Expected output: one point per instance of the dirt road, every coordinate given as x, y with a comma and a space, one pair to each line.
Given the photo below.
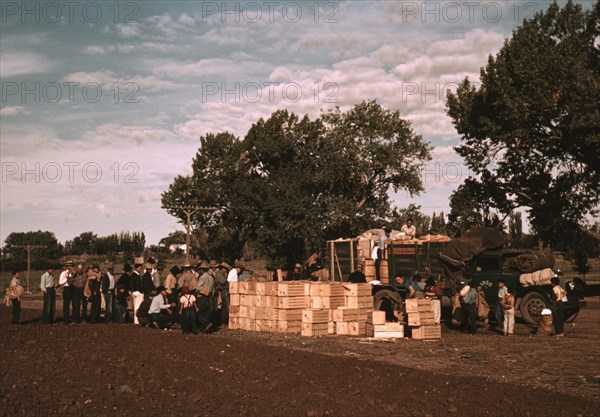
98, 370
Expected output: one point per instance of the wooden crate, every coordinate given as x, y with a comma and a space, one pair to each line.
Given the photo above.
331, 327
234, 299
271, 288
291, 302
334, 289
234, 288
433, 332
376, 317
313, 289
251, 287
244, 311
358, 290
359, 302
414, 305
289, 326
271, 301
346, 314
289, 314
290, 289
243, 287
261, 288
351, 328
315, 316
234, 323
314, 329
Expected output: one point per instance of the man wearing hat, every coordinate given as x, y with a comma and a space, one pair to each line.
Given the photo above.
108, 292
186, 278
296, 274
171, 283
357, 276
147, 282
222, 286
160, 313
205, 290
136, 290
66, 280
48, 287
122, 289
93, 290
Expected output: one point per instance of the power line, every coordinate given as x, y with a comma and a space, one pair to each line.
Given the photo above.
189, 210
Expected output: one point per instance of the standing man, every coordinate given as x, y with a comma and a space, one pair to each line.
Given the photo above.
409, 229
469, 305
223, 287
147, 282
502, 291
206, 285
171, 283
66, 280
558, 315
187, 277
122, 294
17, 290
93, 290
136, 290
108, 291
383, 238
79, 280
48, 287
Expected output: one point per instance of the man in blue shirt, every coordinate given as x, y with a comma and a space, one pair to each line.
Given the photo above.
48, 287
412, 288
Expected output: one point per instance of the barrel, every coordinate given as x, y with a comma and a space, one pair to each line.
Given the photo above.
369, 269
383, 272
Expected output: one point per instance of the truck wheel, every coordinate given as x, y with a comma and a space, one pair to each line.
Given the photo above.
388, 301
531, 307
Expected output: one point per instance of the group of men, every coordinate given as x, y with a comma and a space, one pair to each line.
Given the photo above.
141, 295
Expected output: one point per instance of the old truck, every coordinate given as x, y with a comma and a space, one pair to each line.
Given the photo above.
452, 261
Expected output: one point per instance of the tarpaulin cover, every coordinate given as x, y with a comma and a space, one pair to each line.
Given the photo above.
531, 262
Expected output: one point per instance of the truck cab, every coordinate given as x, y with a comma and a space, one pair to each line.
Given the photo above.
488, 267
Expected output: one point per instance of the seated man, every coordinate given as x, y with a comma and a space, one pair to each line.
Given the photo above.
357, 276
160, 313
412, 288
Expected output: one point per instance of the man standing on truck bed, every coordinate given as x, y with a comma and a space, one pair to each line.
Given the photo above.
409, 229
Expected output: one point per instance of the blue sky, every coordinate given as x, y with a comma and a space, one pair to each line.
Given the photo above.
103, 103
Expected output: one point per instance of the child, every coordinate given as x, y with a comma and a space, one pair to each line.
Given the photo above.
508, 307
188, 309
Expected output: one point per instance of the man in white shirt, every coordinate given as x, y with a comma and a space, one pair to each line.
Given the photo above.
160, 313
66, 280
234, 273
409, 229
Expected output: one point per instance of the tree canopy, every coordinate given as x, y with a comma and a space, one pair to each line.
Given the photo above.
530, 132
292, 182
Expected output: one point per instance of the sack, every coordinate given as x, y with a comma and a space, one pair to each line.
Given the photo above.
458, 316
483, 308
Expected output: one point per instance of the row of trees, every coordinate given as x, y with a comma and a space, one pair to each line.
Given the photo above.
292, 183
126, 244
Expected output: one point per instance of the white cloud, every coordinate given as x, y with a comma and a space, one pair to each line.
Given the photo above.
17, 63
13, 111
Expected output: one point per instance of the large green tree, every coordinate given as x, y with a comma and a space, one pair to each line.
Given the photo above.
40, 257
293, 182
531, 131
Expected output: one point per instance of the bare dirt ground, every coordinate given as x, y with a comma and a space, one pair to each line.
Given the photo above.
114, 370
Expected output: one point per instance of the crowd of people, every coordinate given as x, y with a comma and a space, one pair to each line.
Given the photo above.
196, 297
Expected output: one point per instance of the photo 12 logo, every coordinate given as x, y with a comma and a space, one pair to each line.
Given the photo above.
268, 11
55, 92
68, 11
53, 172
467, 11
272, 92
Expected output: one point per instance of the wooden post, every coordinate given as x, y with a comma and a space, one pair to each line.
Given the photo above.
332, 269
352, 267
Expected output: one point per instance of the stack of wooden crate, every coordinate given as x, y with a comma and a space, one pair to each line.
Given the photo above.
308, 308
377, 326
421, 321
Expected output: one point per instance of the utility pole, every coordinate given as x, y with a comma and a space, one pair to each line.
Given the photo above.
189, 210
29, 248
